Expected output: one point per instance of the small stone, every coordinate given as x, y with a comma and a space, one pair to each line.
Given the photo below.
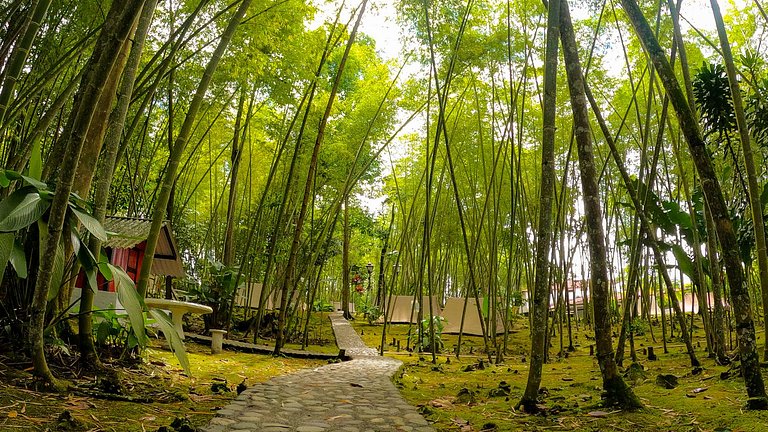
667, 381
245, 425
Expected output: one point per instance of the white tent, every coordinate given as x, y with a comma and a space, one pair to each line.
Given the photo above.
248, 296
452, 316
405, 308
436, 309
401, 309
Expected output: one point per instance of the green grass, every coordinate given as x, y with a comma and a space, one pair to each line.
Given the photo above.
573, 387
160, 378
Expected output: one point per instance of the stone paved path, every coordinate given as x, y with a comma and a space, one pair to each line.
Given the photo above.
353, 396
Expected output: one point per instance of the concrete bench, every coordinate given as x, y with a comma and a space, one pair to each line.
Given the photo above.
178, 309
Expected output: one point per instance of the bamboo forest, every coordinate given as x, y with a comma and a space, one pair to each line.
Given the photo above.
383, 215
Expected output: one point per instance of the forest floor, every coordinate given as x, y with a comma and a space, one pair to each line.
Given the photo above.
471, 394
468, 394
156, 391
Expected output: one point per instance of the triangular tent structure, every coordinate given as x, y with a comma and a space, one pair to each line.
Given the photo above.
452, 316
403, 309
436, 309
337, 307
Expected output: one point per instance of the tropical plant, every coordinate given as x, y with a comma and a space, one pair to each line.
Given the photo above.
322, 306
432, 338
23, 224
216, 290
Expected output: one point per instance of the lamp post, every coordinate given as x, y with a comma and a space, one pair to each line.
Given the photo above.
369, 268
355, 270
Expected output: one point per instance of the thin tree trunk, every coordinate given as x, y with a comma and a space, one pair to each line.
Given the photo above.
617, 391
237, 152
19, 55
746, 145
714, 197
345, 263
293, 253
114, 32
540, 306
106, 171
169, 177
717, 287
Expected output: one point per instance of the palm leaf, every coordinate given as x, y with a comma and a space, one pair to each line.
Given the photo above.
19, 260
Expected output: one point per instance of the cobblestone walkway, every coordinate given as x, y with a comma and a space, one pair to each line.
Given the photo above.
353, 396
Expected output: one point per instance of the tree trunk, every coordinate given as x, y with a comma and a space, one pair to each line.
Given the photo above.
345, 288
717, 290
746, 146
293, 253
540, 306
237, 152
616, 390
106, 171
86, 168
118, 24
19, 55
169, 177
714, 198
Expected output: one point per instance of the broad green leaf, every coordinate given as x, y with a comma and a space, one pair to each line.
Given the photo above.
683, 261
74, 238
35, 161
4, 180
173, 338
12, 175
85, 257
21, 209
131, 301
93, 281
6, 247
91, 224
58, 271
105, 270
37, 184
103, 332
19, 260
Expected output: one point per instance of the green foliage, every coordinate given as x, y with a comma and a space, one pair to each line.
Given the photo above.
216, 290
371, 311
638, 326
426, 337
28, 205
713, 97
26, 208
174, 340
517, 299
110, 329
322, 306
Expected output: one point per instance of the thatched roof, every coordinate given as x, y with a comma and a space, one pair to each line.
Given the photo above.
126, 232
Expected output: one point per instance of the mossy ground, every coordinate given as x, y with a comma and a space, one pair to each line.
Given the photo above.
158, 378
573, 387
